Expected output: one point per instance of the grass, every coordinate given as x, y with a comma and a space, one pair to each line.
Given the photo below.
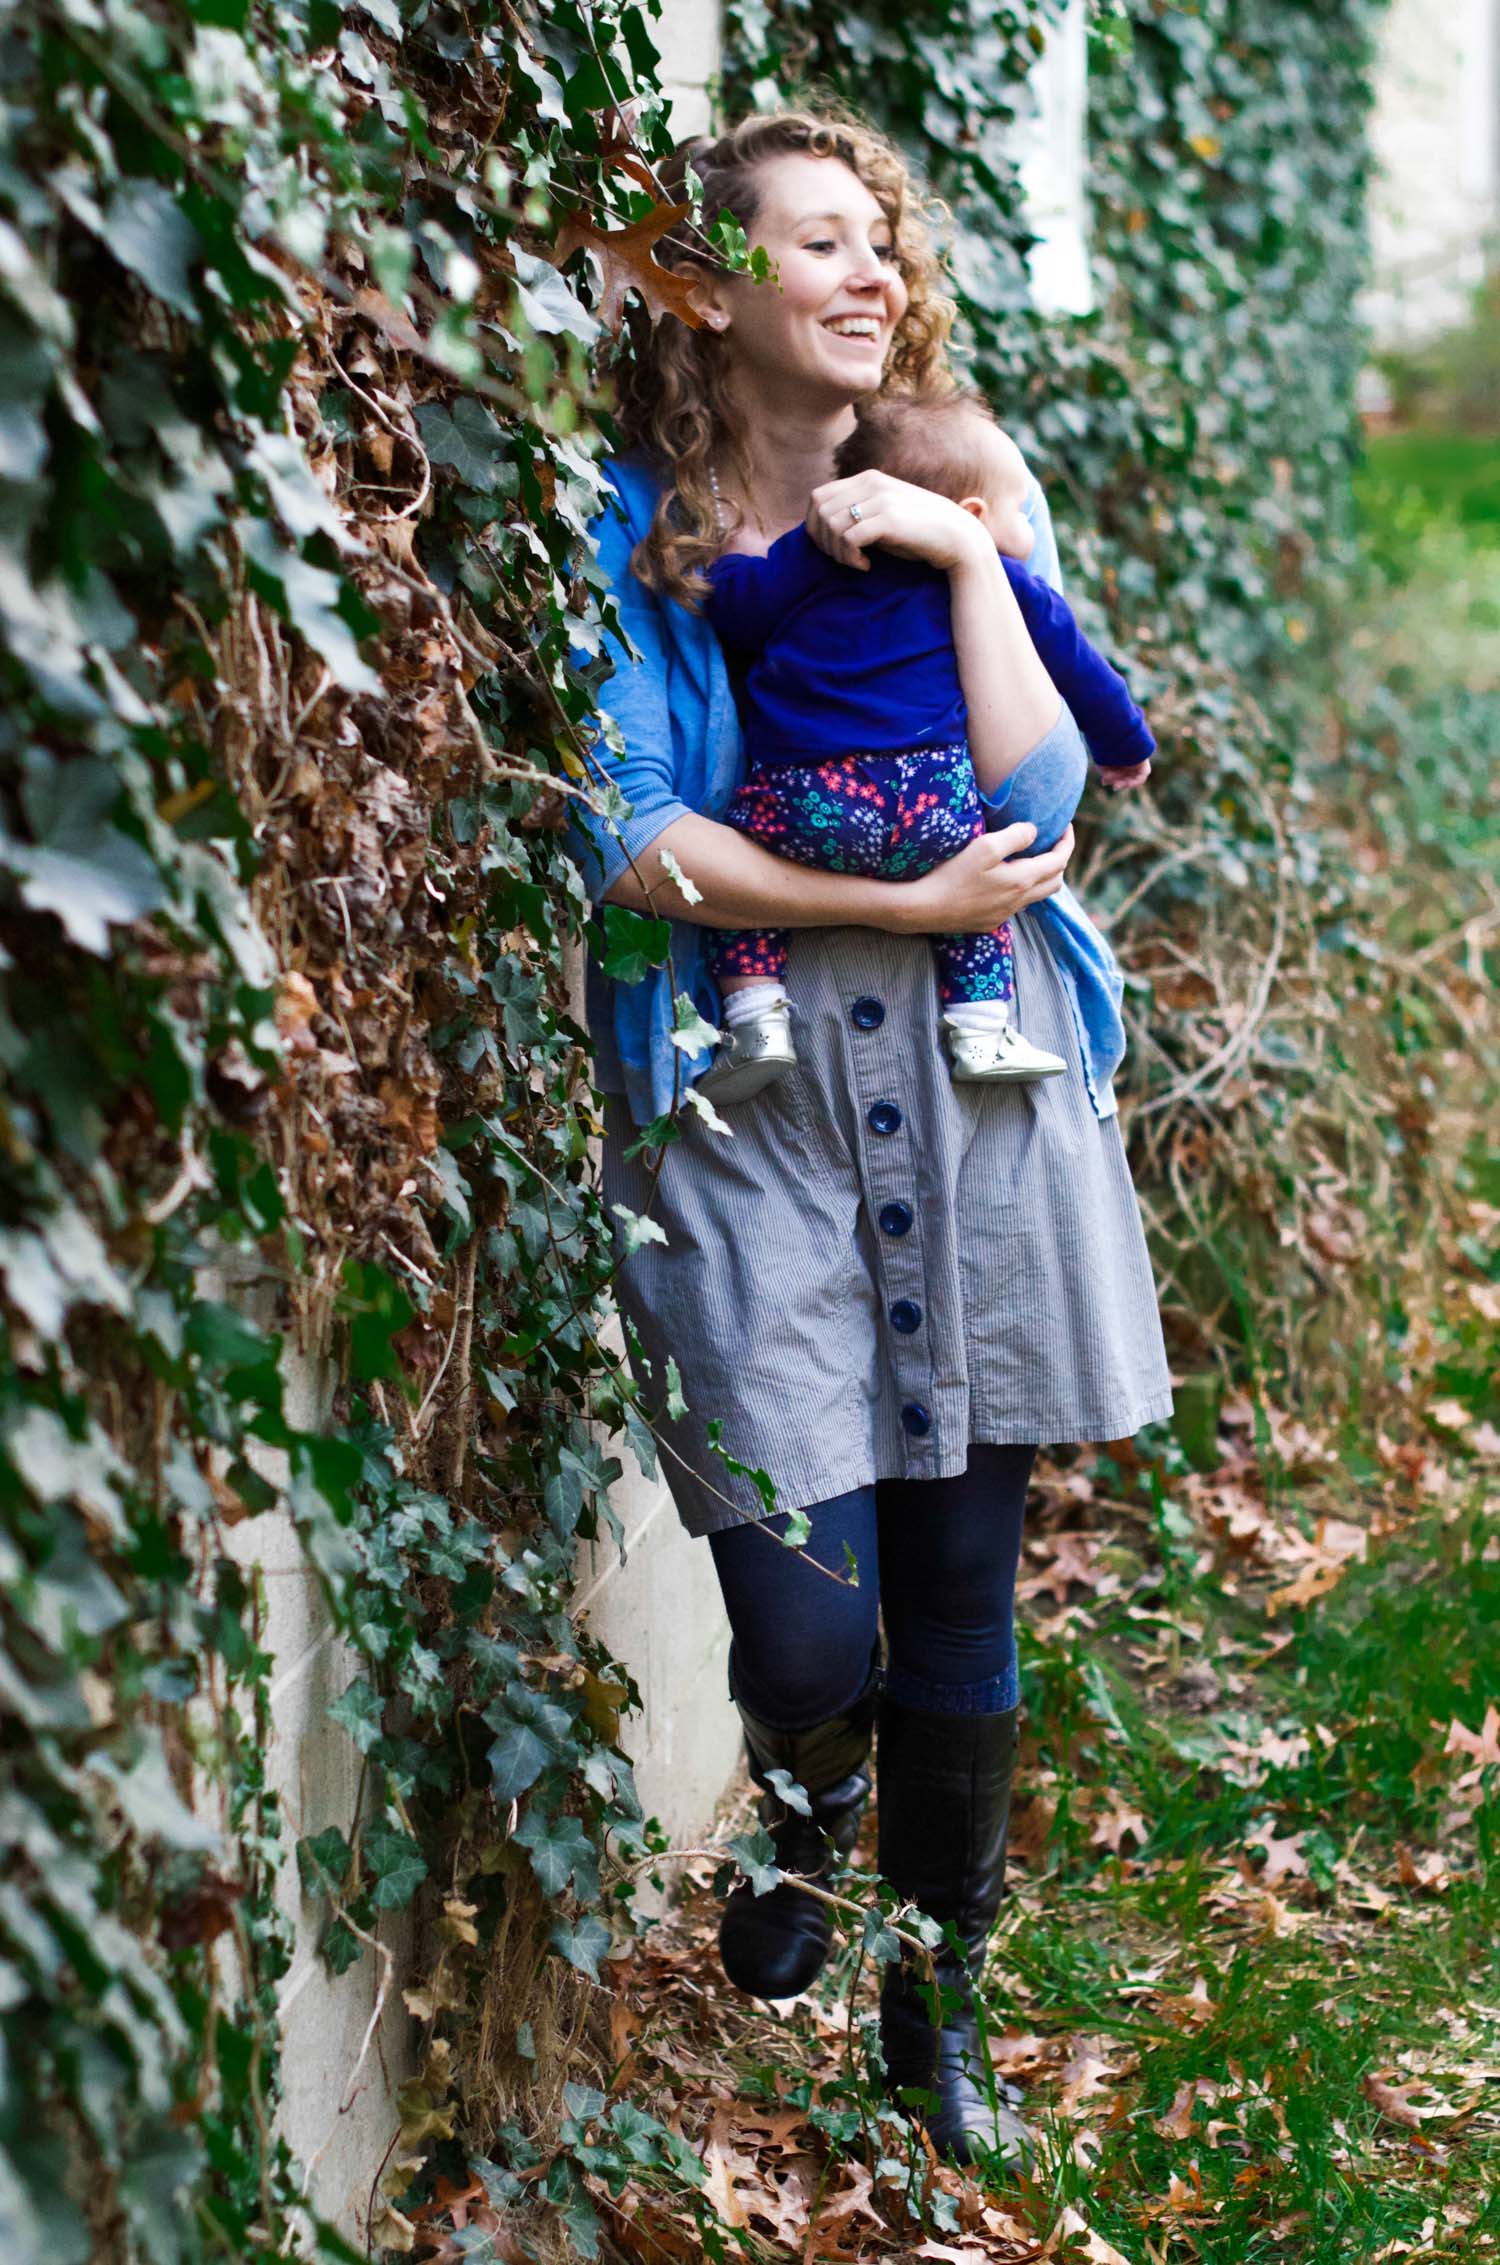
1285, 1986
1443, 476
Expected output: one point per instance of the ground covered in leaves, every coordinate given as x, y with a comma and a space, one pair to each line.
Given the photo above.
1248, 1980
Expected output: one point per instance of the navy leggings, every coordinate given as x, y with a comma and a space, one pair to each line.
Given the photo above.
936, 1558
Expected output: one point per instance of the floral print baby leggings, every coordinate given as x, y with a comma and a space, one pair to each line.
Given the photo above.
891, 817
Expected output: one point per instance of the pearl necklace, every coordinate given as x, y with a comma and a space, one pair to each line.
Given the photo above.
713, 482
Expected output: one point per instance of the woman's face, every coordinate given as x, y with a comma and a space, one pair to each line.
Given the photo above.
829, 327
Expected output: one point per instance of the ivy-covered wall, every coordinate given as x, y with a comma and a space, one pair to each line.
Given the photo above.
296, 431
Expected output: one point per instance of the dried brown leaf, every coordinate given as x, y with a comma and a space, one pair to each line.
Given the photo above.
625, 256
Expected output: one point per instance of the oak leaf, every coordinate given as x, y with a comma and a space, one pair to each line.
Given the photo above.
624, 254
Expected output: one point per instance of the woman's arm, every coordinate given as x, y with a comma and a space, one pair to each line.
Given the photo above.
742, 885
1012, 701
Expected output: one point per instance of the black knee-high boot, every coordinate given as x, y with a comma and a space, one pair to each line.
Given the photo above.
773, 1945
943, 1808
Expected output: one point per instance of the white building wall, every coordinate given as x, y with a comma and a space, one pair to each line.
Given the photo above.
1049, 144
689, 36
1435, 199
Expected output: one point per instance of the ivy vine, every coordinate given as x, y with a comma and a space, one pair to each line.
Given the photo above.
298, 427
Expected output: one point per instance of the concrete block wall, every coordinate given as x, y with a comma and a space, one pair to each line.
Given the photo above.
347, 2041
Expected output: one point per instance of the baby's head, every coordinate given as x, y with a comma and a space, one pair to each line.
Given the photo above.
948, 442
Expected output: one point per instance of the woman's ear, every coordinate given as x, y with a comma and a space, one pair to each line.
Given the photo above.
706, 293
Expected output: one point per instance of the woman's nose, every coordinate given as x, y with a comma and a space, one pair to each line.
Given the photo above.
869, 275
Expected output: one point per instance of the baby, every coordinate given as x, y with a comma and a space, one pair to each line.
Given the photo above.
855, 721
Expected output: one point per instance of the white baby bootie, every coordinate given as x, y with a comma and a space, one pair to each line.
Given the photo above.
985, 1048
756, 1048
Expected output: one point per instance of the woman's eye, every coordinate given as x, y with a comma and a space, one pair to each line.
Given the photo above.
820, 244
885, 252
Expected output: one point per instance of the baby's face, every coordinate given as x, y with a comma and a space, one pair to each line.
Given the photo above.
1004, 492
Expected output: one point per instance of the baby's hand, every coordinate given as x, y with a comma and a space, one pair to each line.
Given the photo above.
1117, 781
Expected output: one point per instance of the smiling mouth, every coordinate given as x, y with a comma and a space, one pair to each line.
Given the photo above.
863, 328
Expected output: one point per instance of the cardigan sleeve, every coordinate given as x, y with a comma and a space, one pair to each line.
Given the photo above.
643, 767
1043, 562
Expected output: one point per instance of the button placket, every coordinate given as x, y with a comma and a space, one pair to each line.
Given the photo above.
888, 1174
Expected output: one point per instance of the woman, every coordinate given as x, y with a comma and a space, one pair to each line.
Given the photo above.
884, 1289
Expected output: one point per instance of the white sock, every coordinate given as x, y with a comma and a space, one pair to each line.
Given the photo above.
739, 1006
978, 1014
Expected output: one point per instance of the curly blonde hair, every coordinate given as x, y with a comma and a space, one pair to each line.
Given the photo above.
673, 398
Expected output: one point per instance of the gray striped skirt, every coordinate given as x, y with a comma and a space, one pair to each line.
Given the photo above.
880, 1266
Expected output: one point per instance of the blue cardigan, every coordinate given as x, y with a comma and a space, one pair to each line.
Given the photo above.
844, 660
680, 752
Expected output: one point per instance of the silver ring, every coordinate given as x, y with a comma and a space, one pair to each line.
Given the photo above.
855, 512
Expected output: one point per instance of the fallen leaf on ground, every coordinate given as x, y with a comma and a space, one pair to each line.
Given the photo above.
1019, 2053
1178, 2122
1482, 1745
1427, 1871
1082, 2242
1395, 2102
1119, 1823
1069, 1563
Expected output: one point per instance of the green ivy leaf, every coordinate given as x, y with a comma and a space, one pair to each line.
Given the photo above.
148, 232
323, 1861
361, 1711
341, 1948
561, 1851
547, 300
755, 1854
633, 945
516, 1758
469, 439
582, 1943
378, 1309
79, 866
396, 1863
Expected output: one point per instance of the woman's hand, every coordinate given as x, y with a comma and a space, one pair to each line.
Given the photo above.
985, 884
913, 522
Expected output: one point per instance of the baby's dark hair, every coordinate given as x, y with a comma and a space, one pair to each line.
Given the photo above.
927, 439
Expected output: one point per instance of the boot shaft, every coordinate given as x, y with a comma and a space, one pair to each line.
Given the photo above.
831, 1762
943, 1809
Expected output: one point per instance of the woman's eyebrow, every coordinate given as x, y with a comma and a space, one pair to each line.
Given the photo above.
813, 219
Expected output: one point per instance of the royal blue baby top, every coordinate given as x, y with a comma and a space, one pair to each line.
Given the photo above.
837, 661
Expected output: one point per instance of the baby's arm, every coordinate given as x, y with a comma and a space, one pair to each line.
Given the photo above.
1120, 739
749, 597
